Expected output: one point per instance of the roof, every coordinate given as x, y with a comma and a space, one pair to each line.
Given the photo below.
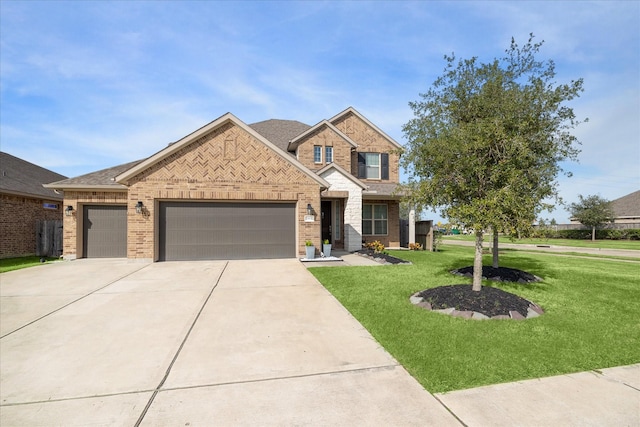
104, 178
220, 121
627, 206
382, 191
22, 178
280, 132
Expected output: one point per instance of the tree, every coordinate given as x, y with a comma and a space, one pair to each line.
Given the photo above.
592, 211
487, 139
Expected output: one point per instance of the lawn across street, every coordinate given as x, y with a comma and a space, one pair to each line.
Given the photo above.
601, 244
590, 319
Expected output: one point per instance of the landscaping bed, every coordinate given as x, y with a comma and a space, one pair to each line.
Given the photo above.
500, 274
381, 257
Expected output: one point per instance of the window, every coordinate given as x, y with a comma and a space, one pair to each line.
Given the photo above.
373, 165
374, 220
317, 154
50, 206
328, 154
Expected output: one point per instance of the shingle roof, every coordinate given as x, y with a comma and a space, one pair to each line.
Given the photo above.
386, 190
18, 176
98, 178
280, 132
628, 205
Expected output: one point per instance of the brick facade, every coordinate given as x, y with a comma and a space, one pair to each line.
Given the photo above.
325, 137
226, 161
72, 225
226, 164
18, 226
369, 140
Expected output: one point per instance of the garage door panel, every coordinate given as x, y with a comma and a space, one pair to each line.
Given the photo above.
104, 231
220, 230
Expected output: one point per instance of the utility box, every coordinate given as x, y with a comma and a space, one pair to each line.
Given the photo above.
424, 234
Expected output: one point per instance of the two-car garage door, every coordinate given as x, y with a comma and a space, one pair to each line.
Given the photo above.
221, 230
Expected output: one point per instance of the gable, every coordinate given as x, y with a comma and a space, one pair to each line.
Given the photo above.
225, 150
363, 132
225, 154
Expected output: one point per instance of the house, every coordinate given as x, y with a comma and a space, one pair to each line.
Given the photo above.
627, 208
232, 191
24, 202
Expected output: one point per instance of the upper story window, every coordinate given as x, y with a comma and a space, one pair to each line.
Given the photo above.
317, 154
373, 165
328, 154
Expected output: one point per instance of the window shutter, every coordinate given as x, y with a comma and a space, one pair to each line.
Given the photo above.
384, 172
362, 166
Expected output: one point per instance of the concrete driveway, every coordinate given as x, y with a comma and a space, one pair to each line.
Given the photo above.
113, 342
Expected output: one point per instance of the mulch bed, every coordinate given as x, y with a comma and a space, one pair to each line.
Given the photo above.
463, 301
381, 257
490, 302
500, 274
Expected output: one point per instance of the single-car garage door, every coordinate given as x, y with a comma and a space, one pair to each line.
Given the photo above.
220, 230
104, 231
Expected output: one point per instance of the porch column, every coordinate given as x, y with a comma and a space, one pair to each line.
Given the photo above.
412, 226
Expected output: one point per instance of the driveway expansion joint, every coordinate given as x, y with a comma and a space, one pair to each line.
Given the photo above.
175, 357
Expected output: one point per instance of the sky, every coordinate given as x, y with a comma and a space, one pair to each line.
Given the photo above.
86, 85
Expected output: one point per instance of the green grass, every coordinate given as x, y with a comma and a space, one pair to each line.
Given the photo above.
591, 319
9, 264
602, 244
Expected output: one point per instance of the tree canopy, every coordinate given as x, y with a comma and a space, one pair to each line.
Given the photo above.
487, 139
592, 211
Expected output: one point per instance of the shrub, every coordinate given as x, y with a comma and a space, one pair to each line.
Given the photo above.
415, 246
377, 246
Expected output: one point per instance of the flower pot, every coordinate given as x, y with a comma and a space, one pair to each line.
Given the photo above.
326, 249
311, 252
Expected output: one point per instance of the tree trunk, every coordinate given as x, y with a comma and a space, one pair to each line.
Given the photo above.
593, 234
477, 264
495, 248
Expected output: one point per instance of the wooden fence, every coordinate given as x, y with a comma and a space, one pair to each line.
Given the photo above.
49, 238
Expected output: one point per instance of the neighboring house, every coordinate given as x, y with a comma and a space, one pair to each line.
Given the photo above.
231, 191
627, 208
24, 202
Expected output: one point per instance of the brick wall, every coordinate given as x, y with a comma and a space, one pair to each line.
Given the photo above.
72, 225
369, 141
226, 164
18, 226
325, 137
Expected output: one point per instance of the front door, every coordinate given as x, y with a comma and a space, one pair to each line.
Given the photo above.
325, 212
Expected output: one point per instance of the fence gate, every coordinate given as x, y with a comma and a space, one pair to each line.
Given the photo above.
49, 238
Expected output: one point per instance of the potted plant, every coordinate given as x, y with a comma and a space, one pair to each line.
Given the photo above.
311, 250
326, 247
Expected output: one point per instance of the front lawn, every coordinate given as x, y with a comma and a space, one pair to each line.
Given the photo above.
601, 244
591, 318
9, 264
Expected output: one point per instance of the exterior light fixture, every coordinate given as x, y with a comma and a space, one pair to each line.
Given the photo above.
139, 207
309, 209
68, 211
